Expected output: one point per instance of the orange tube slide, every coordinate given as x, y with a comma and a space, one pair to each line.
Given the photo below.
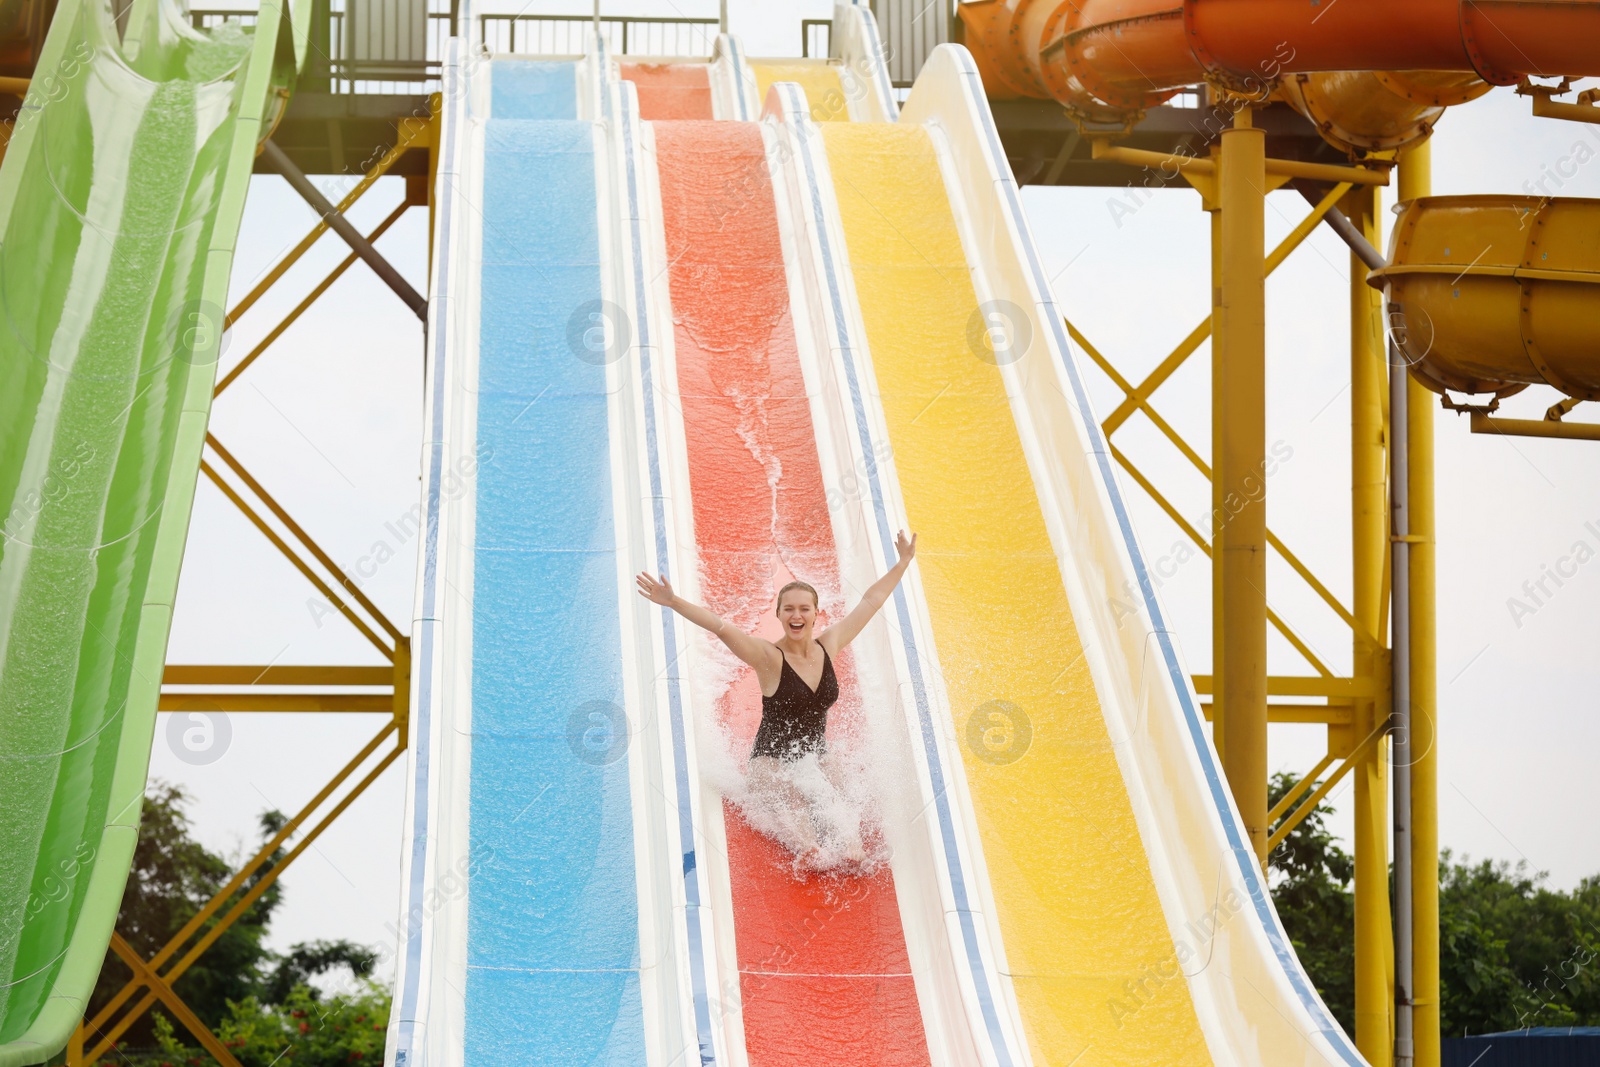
1134, 53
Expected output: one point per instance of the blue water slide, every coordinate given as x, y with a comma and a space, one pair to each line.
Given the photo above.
553, 922
521, 922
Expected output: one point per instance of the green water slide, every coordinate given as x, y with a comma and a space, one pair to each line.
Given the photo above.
120, 200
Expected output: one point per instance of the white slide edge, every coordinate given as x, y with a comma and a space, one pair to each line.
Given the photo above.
708, 987
857, 44
432, 905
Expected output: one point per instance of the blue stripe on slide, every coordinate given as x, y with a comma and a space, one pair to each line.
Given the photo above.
426, 632
552, 919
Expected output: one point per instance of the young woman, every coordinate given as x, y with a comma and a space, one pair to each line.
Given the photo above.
798, 685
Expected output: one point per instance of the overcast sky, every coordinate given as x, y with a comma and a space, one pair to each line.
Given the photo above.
330, 421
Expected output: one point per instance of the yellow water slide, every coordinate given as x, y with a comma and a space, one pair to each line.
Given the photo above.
1126, 914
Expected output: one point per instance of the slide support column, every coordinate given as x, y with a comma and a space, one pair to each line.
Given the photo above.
1219, 704
1240, 537
1416, 179
1374, 947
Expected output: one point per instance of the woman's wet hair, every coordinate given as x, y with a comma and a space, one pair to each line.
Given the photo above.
816, 601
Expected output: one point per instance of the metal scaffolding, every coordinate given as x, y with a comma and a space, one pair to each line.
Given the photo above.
1233, 182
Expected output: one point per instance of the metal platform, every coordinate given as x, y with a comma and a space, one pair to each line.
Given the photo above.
345, 133
1044, 147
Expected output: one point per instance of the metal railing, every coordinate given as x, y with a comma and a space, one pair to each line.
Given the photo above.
211, 19
327, 60
816, 38
625, 35
910, 31
525, 34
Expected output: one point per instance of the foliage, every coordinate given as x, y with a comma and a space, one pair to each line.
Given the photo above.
1513, 953
306, 961
305, 1030
240, 988
172, 878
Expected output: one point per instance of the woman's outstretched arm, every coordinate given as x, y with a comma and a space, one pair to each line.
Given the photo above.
845, 630
751, 649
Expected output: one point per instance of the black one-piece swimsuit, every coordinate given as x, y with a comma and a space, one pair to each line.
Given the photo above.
794, 719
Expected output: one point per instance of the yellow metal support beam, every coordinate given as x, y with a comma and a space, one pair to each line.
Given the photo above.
1546, 108
1331, 714
310, 298
1139, 395
1298, 685
345, 581
1288, 800
300, 564
1279, 168
400, 697
1150, 412
1239, 350
1194, 535
1362, 753
1571, 431
1219, 507
220, 674
435, 115
1374, 937
285, 702
1585, 110
1416, 181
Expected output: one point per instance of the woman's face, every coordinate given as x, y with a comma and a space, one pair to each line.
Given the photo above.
797, 613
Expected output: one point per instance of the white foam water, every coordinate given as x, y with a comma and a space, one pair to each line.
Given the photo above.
823, 810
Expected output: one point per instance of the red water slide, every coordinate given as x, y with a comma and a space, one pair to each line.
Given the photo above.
823, 970
671, 90
1133, 53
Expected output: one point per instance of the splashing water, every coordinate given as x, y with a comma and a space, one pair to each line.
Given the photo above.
824, 810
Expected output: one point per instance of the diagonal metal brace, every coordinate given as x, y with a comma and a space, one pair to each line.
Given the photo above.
1340, 224
341, 226
173, 1003
1361, 752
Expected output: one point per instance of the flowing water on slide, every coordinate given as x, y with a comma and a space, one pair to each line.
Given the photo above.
824, 973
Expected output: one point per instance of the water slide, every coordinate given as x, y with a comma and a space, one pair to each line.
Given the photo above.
741, 321
120, 200
708, 320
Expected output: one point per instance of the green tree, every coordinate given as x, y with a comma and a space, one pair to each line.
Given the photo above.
238, 986
172, 878
1310, 877
306, 1030
308, 960
1514, 953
